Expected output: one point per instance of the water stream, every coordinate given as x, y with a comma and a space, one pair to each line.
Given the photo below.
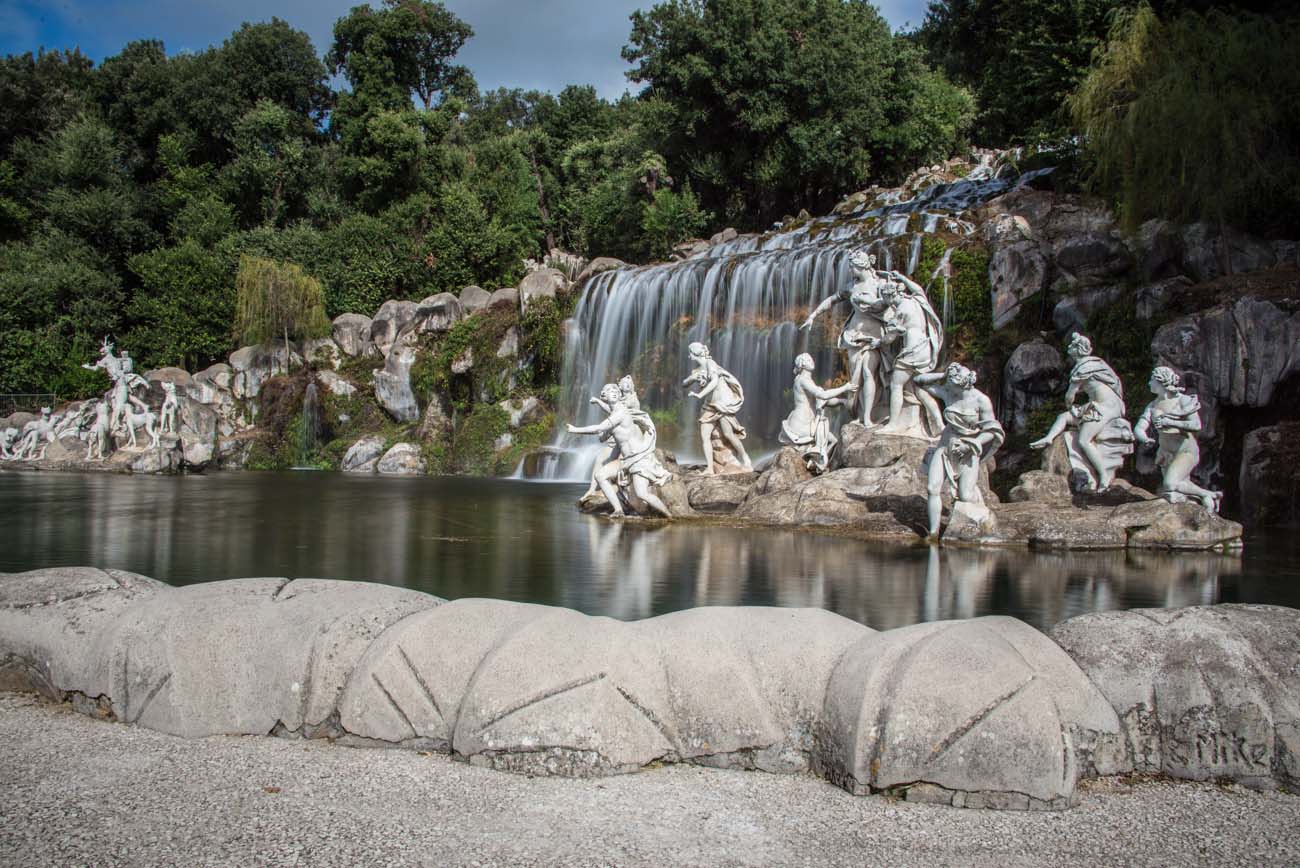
745, 298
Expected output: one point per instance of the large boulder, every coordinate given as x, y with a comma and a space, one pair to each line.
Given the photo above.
1091, 258
198, 426
393, 381
351, 332
1016, 272
253, 366
403, 459
599, 265
323, 352
542, 283
390, 322
1158, 250
363, 455
506, 295
1269, 481
1121, 518
474, 298
1209, 253
1034, 376
335, 384
979, 713
1208, 692
1071, 312
438, 313
178, 376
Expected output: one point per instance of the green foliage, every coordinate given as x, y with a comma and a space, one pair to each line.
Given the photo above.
1196, 117
269, 174
1021, 59
670, 218
1124, 340
274, 299
472, 446
183, 310
972, 304
769, 106
543, 331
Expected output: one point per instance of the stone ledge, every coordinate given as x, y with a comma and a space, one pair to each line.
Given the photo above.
980, 713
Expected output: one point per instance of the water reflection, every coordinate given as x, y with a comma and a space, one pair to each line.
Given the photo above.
521, 541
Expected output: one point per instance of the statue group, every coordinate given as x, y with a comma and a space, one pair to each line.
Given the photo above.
892, 341
118, 413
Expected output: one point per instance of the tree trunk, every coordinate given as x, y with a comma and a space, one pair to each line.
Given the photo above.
541, 201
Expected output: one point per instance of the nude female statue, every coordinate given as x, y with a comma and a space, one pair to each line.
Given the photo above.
863, 325
636, 466
1099, 435
807, 426
1175, 417
971, 433
723, 398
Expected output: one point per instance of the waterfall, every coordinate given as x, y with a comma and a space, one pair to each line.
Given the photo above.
309, 438
745, 299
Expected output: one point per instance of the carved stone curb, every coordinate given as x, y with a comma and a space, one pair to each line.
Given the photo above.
1204, 692
979, 713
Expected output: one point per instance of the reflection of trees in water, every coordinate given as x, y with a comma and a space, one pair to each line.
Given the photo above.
465, 538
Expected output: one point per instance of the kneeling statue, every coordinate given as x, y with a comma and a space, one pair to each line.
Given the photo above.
807, 427
633, 466
1175, 417
971, 434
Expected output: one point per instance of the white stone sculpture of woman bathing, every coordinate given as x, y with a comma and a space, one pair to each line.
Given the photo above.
912, 326
97, 442
1175, 417
1097, 436
807, 427
864, 327
971, 434
607, 452
7, 438
167, 416
636, 466
723, 397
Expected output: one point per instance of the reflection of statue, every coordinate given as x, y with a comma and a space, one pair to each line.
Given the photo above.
1176, 417
910, 321
861, 332
628, 390
723, 397
970, 435
1098, 435
635, 465
98, 441
167, 417
807, 426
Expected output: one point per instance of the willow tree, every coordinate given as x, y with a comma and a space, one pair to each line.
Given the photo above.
277, 299
1197, 118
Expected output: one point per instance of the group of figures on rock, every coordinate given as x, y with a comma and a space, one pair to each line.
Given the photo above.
893, 339
118, 413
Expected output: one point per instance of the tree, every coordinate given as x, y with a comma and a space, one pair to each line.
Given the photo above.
181, 313
274, 299
767, 106
1196, 118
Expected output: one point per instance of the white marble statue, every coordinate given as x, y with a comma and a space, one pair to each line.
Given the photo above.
630, 400
167, 416
971, 434
723, 397
7, 438
146, 419
37, 436
1097, 436
861, 332
807, 427
1174, 417
912, 340
120, 370
634, 467
100, 438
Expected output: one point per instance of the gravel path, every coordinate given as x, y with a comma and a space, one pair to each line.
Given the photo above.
77, 791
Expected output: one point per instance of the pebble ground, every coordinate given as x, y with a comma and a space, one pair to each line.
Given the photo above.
79, 791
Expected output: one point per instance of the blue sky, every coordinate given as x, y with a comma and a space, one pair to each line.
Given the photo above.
542, 44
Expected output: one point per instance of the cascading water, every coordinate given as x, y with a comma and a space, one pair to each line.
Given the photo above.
309, 438
745, 298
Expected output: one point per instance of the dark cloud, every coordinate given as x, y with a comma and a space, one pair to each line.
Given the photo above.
531, 44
